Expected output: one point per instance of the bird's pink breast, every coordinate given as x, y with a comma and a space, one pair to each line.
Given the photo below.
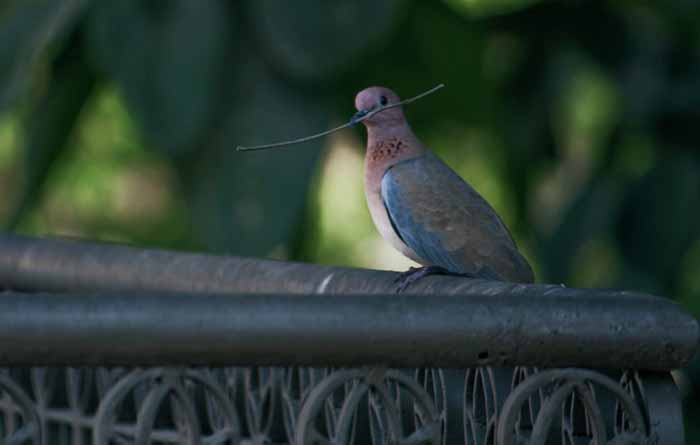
383, 151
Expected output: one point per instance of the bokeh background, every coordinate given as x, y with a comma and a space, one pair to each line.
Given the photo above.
577, 120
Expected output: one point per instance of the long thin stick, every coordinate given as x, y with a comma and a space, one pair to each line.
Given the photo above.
349, 124
295, 141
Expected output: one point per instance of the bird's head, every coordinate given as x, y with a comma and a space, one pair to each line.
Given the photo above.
373, 98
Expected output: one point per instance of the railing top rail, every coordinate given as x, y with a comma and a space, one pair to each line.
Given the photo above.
343, 330
102, 304
59, 265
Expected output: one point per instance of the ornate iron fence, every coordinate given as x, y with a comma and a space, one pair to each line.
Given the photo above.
311, 405
507, 361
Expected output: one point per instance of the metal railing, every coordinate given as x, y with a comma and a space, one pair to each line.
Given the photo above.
497, 363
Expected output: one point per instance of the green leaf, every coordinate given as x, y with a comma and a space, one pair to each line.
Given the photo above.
28, 28
433, 45
251, 203
481, 8
168, 58
49, 124
312, 39
661, 216
591, 215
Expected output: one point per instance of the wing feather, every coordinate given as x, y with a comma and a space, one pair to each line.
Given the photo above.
447, 223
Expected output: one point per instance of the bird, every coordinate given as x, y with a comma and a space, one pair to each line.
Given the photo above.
423, 208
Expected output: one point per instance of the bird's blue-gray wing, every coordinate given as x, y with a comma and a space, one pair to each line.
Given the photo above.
447, 223
425, 243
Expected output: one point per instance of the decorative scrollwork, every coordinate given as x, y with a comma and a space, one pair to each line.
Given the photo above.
500, 406
567, 392
435, 385
632, 383
255, 390
106, 378
43, 384
534, 402
79, 384
317, 424
297, 383
20, 422
480, 406
163, 387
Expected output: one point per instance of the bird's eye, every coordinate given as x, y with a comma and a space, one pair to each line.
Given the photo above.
383, 100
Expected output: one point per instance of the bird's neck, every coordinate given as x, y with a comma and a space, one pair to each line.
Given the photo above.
387, 146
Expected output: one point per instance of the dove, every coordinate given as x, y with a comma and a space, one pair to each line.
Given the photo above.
419, 204
423, 208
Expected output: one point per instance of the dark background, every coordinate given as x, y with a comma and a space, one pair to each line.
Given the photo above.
576, 120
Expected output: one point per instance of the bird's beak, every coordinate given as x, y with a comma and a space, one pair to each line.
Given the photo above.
360, 114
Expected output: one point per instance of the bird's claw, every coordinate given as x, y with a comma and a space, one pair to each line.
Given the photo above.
413, 274
403, 275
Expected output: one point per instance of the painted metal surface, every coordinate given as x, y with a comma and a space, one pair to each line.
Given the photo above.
516, 354
133, 328
337, 406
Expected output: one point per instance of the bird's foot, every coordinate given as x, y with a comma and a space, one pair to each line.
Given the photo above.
413, 274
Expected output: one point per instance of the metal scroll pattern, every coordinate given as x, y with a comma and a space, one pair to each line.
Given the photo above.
575, 397
212, 406
20, 421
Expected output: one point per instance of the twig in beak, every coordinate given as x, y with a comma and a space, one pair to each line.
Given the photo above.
352, 122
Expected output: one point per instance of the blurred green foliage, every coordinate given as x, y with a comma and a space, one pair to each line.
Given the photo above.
576, 120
